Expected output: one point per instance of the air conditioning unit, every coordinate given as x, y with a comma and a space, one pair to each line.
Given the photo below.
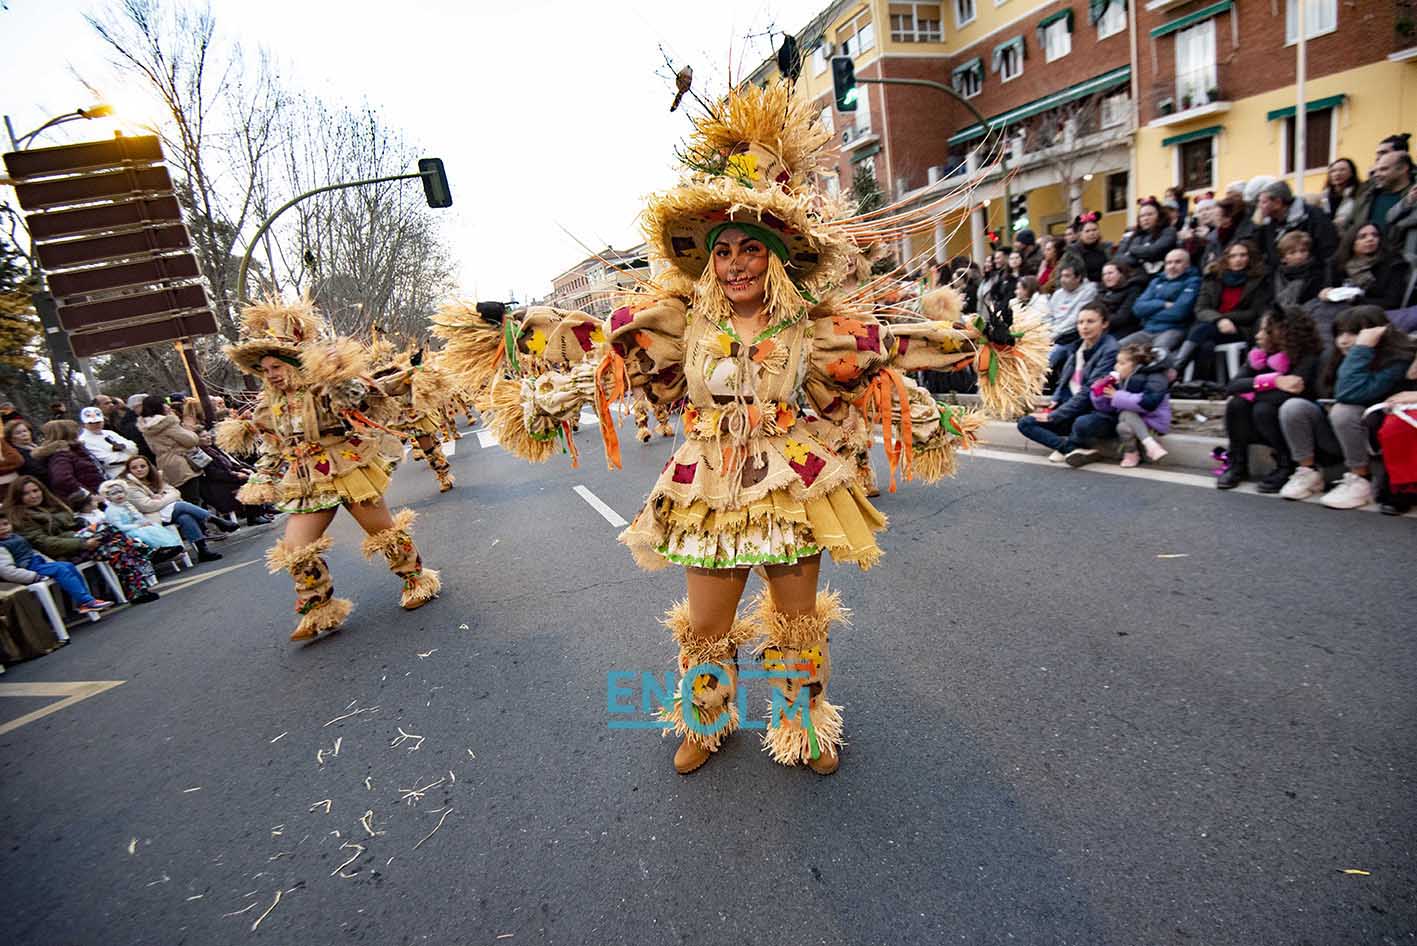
848, 135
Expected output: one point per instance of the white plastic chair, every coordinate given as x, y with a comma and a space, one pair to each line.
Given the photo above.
1229, 356
44, 591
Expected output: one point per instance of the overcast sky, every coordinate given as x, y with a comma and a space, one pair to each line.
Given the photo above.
544, 113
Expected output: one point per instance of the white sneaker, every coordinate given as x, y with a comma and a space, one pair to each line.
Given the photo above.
1303, 483
1353, 493
1056, 457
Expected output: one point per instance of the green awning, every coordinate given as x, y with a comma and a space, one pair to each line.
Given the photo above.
1095, 8
974, 65
870, 151
1190, 19
999, 50
1103, 83
1317, 105
1064, 14
1199, 133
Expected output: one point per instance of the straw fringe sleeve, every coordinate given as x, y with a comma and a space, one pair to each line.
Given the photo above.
330, 364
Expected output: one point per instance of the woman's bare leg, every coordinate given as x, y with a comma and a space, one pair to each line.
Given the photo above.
392, 536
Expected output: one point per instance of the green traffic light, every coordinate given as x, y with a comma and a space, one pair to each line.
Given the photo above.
850, 97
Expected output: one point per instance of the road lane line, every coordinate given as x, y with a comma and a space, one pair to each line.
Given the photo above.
450, 447
73, 693
610, 515
486, 438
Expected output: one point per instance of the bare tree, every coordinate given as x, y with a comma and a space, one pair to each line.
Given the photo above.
1068, 140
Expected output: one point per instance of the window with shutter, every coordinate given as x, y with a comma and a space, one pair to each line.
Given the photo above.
1318, 141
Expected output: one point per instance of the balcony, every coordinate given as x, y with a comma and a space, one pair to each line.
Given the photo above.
1197, 93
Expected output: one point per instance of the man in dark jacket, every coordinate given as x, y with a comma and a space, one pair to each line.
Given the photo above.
1072, 425
1027, 245
1283, 214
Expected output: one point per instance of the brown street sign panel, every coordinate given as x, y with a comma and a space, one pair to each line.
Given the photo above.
81, 188
89, 315
145, 273
85, 156
150, 333
124, 216
54, 256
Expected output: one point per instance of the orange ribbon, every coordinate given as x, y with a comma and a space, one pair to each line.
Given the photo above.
612, 372
899, 453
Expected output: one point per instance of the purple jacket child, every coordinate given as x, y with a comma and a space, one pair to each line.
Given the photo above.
1144, 394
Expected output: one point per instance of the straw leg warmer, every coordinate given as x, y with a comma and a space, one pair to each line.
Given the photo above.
440, 466
420, 585
798, 645
714, 704
319, 610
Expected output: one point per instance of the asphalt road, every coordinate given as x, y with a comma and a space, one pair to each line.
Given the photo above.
1081, 709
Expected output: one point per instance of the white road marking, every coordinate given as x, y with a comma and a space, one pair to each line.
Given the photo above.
486, 438
184, 580
588, 419
610, 515
72, 693
450, 447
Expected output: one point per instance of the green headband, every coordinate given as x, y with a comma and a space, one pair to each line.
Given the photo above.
769, 239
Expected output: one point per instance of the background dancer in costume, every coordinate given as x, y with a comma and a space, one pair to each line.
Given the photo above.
319, 450
734, 331
424, 397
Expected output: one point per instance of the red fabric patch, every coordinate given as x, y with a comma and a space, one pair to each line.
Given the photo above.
583, 332
621, 317
903, 344
870, 339
810, 469
685, 474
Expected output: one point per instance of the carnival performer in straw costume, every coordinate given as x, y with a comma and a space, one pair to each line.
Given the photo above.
424, 395
744, 326
318, 427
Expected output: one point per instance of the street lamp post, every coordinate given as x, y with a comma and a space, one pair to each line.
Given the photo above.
20, 143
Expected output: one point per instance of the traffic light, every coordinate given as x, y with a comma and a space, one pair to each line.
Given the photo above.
1018, 211
435, 182
844, 81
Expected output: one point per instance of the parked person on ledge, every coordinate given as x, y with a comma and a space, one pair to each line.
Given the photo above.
1385, 201
1119, 292
1145, 248
1282, 213
1071, 425
1371, 364
1300, 277
1028, 303
1030, 252
22, 565
1232, 222
1136, 392
1232, 298
1166, 307
1073, 293
1283, 364
68, 467
1053, 250
1090, 247
1340, 195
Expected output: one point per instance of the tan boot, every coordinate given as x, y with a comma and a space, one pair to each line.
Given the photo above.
320, 612
712, 713
803, 727
420, 585
441, 469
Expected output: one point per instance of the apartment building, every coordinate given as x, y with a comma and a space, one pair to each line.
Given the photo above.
596, 283
1103, 101
1219, 92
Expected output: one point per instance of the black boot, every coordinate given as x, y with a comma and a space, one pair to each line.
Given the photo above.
224, 524
1275, 479
1236, 474
203, 555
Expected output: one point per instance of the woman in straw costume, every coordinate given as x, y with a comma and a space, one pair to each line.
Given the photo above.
313, 427
424, 396
743, 327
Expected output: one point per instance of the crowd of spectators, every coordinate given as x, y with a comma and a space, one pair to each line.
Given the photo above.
132, 484
1314, 294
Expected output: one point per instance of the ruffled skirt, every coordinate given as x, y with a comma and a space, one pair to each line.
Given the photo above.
360, 484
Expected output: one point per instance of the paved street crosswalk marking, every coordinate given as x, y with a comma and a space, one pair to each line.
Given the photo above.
72, 692
610, 515
450, 447
486, 438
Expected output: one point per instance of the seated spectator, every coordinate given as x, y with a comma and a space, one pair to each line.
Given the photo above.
156, 499
173, 446
9, 412
1231, 300
1071, 426
67, 465
193, 417
1366, 263
1071, 296
1166, 307
86, 506
1119, 292
19, 441
50, 526
1053, 250
127, 424
1030, 253
1136, 393
1232, 223
58, 410
1090, 248
109, 448
1385, 201
1282, 214
1145, 248
128, 519
1299, 277
221, 480
1339, 197
1028, 303
1397, 437
1371, 363
22, 565
1283, 364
